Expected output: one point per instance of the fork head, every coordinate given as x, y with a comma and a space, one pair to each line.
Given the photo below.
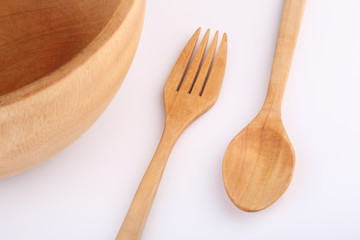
193, 88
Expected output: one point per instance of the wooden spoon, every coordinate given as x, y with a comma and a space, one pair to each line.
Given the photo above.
259, 162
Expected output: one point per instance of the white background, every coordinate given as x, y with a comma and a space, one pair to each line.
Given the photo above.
84, 192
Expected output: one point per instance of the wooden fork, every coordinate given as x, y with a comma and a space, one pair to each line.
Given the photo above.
186, 98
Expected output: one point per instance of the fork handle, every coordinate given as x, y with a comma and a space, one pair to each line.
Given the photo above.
138, 212
285, 47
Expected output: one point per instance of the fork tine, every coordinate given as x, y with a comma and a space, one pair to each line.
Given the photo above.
204, 71
213, 84
181, 64
194, 67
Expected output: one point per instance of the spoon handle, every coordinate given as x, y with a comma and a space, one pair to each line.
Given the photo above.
285, 47
140, 207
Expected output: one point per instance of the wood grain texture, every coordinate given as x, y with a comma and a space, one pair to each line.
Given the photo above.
61, 63
37, 37
184, 102
259, 162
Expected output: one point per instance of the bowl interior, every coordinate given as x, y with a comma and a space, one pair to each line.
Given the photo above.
38, 36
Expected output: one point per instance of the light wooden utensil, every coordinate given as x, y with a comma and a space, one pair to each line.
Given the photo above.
185, 100
259, 162
61, 63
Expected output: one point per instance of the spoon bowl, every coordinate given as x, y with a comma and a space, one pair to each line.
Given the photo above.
258, 166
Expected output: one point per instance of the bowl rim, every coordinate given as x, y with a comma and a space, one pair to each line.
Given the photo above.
115, 22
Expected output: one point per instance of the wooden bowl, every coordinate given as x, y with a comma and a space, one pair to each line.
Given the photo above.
61, 63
